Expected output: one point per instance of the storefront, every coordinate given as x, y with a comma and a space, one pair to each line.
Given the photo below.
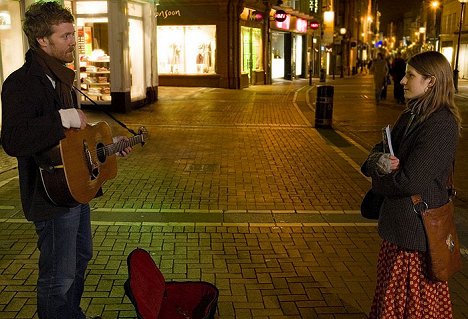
211, 43
115, 53
288, 47
11, 44
187, 47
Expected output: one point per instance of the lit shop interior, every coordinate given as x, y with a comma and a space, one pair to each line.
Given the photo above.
186, 49
109, 73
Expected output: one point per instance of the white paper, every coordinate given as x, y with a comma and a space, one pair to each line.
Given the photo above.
388, 139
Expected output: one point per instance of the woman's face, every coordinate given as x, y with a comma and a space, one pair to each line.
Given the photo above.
414, 84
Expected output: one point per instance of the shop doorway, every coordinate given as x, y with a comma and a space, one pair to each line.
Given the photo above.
251, 52
277, 55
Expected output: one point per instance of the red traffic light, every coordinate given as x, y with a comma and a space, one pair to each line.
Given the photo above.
314, 25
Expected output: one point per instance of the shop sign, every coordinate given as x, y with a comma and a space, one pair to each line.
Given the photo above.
328, 27
256, 15
314, 25
251, 15
313, 6
301, 25
280, 16
285, 24
168, 13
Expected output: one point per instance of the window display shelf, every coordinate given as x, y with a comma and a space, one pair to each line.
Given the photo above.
97, 83
95, 78
98, 72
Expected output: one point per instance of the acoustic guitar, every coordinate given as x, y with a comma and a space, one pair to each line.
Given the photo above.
74, 170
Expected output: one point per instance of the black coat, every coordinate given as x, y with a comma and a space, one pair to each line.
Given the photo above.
426, 156
30, 124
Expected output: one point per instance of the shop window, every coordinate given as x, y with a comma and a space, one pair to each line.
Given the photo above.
137, 71
277, 55
93, 56
136, 51
186, 49
298, 55
251, 49
11, 46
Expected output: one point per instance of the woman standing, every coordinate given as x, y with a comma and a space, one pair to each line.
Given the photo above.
424, 139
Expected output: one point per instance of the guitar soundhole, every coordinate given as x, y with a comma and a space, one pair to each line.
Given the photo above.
101, 154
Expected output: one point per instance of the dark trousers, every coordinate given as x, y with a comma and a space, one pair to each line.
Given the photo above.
65, 245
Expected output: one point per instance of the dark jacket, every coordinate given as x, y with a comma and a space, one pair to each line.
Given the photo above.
426, 155
30, 124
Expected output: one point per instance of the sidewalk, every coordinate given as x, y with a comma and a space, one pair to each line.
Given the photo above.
236, 188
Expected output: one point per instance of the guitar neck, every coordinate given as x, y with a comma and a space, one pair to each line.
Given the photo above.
119, 146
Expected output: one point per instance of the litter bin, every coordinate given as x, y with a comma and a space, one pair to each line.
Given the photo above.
324, 106
323, 75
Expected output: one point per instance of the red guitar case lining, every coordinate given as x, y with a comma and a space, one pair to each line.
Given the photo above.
154, 298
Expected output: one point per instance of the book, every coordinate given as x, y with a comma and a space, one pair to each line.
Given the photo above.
387, 139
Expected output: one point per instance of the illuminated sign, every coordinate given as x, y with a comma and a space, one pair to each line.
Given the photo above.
167, 13
313, 6
301, 25
284, 24
280, 16
314, 25
256, 15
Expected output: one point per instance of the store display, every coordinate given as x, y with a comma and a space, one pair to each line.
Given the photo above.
95, 76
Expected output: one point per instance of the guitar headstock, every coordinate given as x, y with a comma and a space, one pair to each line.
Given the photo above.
143, 132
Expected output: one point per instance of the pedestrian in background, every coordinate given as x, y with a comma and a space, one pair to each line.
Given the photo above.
397, 71
37, 107
425, 139
379, 69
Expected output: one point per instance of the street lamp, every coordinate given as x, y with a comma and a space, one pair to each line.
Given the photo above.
455, 71
342, 56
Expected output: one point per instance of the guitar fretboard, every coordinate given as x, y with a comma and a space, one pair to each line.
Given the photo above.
119, 146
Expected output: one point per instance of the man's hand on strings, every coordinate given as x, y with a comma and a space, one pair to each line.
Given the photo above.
126, 150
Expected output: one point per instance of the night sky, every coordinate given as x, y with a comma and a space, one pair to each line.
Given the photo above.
392, 10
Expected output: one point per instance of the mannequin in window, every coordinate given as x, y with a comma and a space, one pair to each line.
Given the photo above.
200, 61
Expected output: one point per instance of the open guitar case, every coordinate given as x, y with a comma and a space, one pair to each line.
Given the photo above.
155, 298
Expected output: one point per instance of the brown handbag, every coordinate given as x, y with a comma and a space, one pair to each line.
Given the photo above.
441, 234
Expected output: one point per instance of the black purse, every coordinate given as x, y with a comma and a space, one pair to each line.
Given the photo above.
371, 203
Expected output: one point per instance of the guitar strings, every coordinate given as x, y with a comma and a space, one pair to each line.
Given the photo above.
122, 144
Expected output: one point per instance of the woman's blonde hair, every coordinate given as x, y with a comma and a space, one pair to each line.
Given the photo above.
441, 93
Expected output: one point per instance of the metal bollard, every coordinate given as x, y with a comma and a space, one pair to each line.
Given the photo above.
324, 106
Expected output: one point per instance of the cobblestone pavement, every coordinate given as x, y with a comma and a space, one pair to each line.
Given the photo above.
235, 187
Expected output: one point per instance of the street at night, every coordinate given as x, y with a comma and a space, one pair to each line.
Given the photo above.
237, 188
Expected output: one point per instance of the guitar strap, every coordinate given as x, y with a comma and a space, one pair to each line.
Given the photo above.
105, 111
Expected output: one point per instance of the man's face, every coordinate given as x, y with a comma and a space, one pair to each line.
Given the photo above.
61, 44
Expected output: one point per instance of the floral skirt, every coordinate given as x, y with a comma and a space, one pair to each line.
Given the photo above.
403, 290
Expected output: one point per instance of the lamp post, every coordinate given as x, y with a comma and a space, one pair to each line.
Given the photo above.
342, 56
455, 71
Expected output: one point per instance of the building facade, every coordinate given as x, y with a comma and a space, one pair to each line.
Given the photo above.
451, 30
230, 43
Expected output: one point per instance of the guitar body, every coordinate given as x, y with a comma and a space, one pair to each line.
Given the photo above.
76, 171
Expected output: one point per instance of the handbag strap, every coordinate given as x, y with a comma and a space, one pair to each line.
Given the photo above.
420, 206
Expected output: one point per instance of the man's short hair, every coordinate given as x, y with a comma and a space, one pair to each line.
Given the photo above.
39, 19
